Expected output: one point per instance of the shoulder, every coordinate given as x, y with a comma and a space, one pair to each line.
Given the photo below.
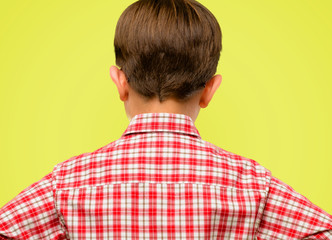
74, 171
245, 173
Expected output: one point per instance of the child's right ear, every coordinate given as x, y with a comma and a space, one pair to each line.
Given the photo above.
120, 80
210, 88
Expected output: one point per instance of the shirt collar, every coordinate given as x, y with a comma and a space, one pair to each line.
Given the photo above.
162, 122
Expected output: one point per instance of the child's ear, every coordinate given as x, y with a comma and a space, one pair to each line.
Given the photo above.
120, 80
210, 88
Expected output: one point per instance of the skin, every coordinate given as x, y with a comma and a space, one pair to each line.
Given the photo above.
135, 104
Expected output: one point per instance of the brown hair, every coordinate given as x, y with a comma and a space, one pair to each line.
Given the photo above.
167, 48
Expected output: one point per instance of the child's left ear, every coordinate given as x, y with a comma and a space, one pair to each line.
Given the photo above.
210, 88
120, 80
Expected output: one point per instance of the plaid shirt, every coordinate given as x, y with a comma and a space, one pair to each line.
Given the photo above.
160, 180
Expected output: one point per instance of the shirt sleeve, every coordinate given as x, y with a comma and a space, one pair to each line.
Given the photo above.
32, 214
289, 215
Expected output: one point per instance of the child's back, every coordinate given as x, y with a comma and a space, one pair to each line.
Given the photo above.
161, 179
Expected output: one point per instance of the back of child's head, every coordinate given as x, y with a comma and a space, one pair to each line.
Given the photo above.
167, 48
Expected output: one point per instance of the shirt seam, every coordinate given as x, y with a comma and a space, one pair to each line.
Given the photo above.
164, 182
59, 215
261, 211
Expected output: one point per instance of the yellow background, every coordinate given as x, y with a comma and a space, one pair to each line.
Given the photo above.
274, 104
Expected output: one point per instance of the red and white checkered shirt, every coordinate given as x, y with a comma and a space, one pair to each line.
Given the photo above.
160, 180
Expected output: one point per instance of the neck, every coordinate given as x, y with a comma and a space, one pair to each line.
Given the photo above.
138, 105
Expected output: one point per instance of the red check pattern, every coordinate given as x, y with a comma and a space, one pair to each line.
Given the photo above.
160, 180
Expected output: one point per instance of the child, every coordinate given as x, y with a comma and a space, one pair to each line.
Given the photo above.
160, 179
